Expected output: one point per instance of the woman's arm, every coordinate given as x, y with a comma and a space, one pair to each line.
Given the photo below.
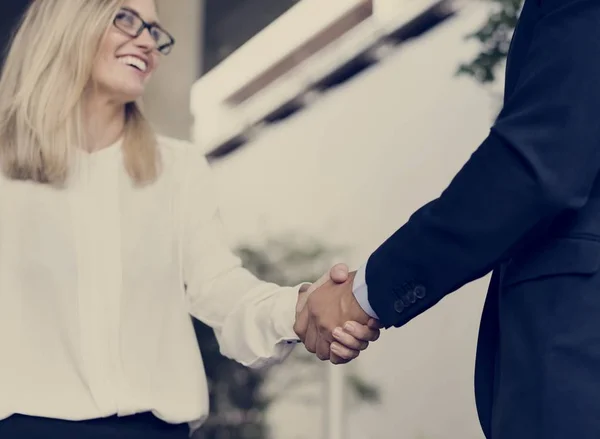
253, 320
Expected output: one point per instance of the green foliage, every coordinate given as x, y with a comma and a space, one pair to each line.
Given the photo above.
494, 38
235, 399
238, 395
364, 390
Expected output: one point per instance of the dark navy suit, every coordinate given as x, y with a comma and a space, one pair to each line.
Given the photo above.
527, 207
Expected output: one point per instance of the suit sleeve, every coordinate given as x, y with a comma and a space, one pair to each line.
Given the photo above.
541, 157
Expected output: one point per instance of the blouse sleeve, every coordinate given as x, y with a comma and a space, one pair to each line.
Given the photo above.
253, 320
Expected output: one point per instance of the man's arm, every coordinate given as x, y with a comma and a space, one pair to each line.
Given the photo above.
541, 158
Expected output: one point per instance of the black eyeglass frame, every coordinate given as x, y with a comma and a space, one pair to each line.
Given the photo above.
165, 49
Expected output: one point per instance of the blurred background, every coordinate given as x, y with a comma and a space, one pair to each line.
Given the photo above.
327, 123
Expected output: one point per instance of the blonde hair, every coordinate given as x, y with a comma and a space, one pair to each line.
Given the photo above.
46, 72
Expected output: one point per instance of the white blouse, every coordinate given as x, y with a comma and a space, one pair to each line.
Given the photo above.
94, 315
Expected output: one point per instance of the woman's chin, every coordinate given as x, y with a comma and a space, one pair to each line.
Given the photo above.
130, 95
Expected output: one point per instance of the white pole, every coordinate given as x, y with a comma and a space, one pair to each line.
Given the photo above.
333, 419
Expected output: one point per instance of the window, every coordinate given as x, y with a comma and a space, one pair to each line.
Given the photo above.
231, 23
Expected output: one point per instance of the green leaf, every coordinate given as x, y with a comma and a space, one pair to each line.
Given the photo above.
494, 38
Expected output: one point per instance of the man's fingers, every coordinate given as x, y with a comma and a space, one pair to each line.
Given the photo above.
374, 324
339, 273
347, 340
335, 359
361, 332
343, 352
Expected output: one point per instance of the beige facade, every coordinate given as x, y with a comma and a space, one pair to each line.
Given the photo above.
384, 144
167, 100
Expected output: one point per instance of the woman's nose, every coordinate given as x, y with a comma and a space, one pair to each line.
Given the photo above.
145, 40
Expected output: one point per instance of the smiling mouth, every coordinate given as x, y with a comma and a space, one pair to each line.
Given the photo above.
134, 62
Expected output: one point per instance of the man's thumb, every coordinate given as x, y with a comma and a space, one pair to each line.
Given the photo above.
339, 273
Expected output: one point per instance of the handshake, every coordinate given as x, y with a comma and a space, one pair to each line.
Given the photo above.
329, 320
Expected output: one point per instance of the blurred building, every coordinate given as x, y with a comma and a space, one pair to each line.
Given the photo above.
257, 60
331, 118
264, 43
207, 32
338, 120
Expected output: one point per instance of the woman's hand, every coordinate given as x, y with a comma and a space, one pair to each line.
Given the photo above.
354, 337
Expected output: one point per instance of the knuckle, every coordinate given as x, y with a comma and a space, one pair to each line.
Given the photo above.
354, 345
326, 334
346, 355
322, 326
355, 354
368, 335
361, 332
323, 357
297, 329
338, 360
359, 335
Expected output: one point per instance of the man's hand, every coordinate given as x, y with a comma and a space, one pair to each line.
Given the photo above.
337, 274
351, 339
355, 336
331, 305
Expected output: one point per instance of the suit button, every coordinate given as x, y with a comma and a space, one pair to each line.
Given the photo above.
399, 306
411, 297
420, 291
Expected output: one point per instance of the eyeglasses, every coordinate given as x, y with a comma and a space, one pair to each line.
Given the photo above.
132, 24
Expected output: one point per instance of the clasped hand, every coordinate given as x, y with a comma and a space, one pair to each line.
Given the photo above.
329, 320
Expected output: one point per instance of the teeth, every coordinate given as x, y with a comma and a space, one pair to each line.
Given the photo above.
133, 61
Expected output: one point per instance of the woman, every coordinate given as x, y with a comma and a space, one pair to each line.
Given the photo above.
102, 224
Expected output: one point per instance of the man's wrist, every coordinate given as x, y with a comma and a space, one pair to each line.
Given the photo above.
360, 291
350, 305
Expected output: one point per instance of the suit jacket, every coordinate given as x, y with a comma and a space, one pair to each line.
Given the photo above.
526, 206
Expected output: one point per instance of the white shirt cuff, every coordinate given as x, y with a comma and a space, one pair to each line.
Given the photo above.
361, 291
284, 315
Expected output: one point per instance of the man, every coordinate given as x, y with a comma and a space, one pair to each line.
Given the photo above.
527, 207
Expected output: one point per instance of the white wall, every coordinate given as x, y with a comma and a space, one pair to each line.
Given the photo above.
167, 99
350, 170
